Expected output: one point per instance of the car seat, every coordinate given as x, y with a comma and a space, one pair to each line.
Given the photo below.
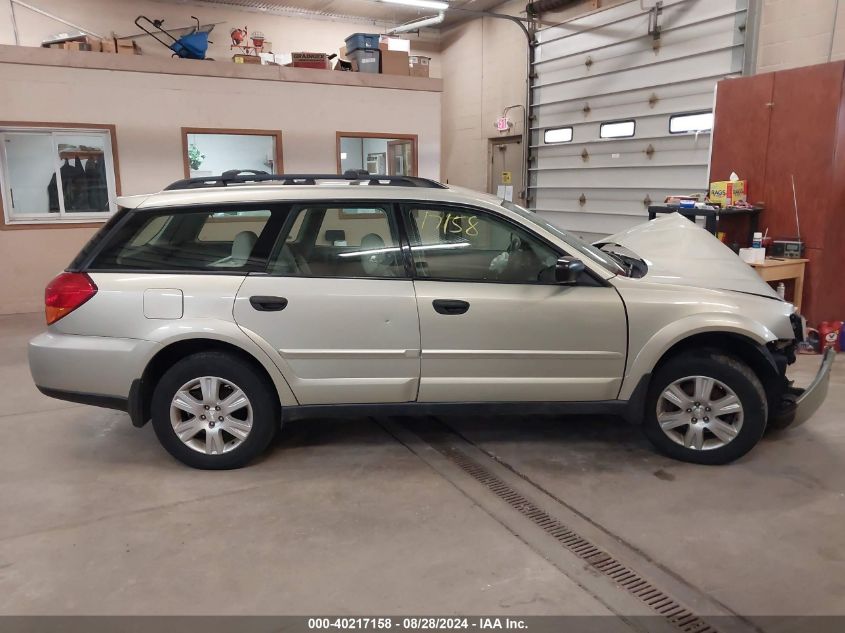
378, 264
242, 247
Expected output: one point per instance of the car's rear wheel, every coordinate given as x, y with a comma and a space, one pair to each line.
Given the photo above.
214, 411
706, 408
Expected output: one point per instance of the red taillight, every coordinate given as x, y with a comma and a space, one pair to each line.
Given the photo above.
66, 293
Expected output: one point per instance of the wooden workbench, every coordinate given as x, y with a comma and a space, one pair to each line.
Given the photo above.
783, 270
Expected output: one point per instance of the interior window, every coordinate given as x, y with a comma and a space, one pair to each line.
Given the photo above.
377, 154
56, 175
202, 241
456, 243
211, 152
340, 242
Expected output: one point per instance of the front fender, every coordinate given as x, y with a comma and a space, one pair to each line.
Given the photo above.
643, 360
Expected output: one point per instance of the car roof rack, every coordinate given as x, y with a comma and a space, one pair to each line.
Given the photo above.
353, 176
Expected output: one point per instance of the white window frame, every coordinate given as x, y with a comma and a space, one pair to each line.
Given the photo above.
692, 116
10, 217
612, 129
558, 129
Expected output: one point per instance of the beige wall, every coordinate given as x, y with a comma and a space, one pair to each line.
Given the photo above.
286, 33
484, 71
800, 33
148, 110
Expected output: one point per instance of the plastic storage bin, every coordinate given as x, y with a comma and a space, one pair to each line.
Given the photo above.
366, 61
362, 41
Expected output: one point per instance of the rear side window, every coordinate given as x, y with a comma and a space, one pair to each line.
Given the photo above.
207, 240
328, 241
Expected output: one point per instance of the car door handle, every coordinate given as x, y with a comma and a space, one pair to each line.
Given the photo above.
268, 304
450, 306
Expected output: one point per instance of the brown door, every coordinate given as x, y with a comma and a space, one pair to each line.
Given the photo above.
400, 158
506, 169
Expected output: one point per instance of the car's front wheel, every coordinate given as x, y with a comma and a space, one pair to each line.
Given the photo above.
706, 408
213, 410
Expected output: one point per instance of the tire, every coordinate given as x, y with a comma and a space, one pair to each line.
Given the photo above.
240, 431
678, 394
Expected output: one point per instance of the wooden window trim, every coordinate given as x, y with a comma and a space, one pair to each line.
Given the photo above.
277, 134
385, 135
25, 226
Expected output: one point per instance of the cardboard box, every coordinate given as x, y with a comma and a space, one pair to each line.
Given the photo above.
79, 43
127, 47
77, 46
394, 63
419, 65
387, 43
240, 58
95, 43
727, 193
108, 46
317, 61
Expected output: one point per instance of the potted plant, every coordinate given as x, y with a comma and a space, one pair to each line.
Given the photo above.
195, 156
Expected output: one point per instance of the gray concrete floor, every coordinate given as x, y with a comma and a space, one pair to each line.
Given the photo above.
340, 518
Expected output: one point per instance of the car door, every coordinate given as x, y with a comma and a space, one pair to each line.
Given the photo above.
338, 306
494, 324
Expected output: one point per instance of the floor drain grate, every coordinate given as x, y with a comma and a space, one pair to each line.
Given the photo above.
600, 560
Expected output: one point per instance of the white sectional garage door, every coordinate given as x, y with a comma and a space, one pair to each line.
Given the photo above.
606, 68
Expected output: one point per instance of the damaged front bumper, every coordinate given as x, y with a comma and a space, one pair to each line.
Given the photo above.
800, 404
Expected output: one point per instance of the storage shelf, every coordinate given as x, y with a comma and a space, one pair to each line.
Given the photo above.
224, 69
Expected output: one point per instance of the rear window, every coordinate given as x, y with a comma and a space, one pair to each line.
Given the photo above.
213, 240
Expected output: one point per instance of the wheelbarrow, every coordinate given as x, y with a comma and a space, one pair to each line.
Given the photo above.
192, 45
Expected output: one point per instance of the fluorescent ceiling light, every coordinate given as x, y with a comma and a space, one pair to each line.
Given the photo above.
422, 4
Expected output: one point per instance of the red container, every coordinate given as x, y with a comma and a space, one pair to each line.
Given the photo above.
829, 332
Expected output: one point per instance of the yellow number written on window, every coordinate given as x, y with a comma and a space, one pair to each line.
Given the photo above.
453, 223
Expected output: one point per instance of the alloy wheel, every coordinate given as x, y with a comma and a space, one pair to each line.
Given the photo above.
211, 415
700, 413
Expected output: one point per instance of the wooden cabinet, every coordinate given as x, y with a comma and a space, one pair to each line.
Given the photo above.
770, 128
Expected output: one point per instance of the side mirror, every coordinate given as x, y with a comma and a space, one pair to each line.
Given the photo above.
567, 270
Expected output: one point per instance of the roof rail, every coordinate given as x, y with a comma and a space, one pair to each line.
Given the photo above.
353, 176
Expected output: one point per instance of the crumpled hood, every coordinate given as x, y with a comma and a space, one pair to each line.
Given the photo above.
678, 251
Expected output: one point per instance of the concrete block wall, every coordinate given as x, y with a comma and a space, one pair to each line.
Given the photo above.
802, 33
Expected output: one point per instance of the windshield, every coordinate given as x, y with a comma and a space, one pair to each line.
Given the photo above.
599, 256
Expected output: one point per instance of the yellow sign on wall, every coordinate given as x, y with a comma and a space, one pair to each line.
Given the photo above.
507, 178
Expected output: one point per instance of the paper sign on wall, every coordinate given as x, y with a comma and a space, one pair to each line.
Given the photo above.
504, 192
507, 177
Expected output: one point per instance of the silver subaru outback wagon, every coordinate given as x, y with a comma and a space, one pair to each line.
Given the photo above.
222, 306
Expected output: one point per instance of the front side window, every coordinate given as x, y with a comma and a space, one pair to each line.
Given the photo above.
465, 244
191, 241
327, 241
57, 175
572, 242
